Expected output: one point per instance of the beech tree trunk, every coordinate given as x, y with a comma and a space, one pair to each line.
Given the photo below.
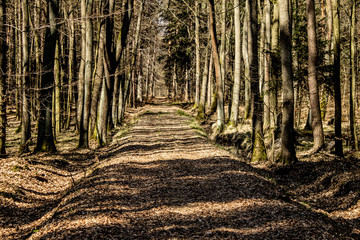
45, 140
316, 122
25, 119
353, 127
336, 77
234, 117
197, 55
258, 146
219, 81
288, 155
3, 76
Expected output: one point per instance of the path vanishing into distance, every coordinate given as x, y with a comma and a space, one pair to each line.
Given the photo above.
163, 180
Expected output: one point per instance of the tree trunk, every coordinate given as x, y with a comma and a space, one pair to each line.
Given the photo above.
45, 140
71, 68
25, 119
197, 53
3, 66
336, 77
201, 111
219, 80
258, 146
80, 88
273, 86
234, 117
57, 109
316, 122
267, 69
245, 49
288, 155
354, 139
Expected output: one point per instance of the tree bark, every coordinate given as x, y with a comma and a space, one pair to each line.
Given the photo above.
267, 69
197, 53
201, 110
25, 119
353, 127
245, 49
258, 146
316, 122
3, 78
219, 81
288, 155
336, 77
45, 140
234, 117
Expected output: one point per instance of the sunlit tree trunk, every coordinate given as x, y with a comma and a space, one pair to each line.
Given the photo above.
81, 76
3, 65
57, 109
234, 117
197, 53
316, 122
25, 119
258, 146
245, 54
267, 69
288, 155
219, 81
201, 110
353, 128
336, 77
274, 78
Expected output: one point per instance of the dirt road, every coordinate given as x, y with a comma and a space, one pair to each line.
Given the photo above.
165, 181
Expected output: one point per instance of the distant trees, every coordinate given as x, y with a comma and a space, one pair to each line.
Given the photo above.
77, 66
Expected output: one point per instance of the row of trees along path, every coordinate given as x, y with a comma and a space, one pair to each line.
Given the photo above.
163, 180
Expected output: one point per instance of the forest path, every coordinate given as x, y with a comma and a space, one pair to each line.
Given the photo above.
164, 181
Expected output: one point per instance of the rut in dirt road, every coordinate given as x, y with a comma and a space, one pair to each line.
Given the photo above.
164, 181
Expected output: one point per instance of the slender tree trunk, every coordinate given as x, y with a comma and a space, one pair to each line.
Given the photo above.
273, 86
353, 127
267, 69
316, 122
245, 49
197, 53
80, 88
57, 109
219, 80
336, 77
222, 50
25, 119
71, 68
258, 146
98, 78
234, 117
45, 140
288, 155
3, 78
84, 124
201, 112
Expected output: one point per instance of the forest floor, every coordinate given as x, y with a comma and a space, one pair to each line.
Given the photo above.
162, 178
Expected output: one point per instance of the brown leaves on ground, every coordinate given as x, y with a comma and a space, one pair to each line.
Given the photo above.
161, 181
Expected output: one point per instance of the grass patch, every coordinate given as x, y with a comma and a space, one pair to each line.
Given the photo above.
182, 113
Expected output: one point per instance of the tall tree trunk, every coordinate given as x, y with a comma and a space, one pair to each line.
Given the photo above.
258, 146
288, 154
197, 53
354, 138
3, 65
222, 50
25, 119
267, 69
245, 49
81, 77
71, 68
57, 109
316, 122
45, 140
336, 77
234, 117
84, 124
219, 80
201, 112
273, 86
